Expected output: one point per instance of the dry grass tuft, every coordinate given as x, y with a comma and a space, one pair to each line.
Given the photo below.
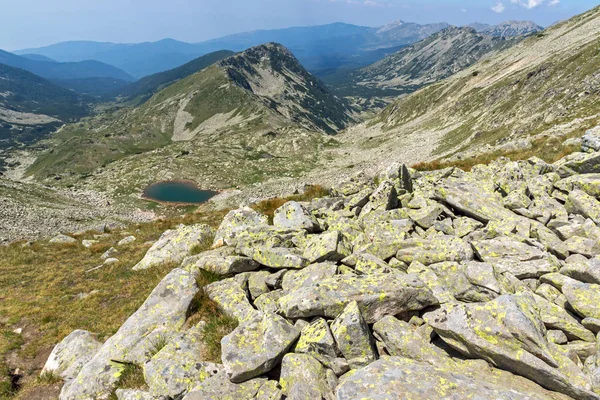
548, 149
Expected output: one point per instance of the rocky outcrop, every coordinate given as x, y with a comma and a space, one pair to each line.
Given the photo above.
376, 290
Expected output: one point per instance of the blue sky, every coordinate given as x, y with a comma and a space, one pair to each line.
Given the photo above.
32, 23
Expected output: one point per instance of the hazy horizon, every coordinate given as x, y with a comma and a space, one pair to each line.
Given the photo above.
34, 23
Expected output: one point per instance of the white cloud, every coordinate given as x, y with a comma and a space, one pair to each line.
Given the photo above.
499, 7
463, 10
529, 4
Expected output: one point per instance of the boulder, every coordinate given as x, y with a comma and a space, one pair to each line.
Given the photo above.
270, 390
178, 367
589, 183
174, 245
232, 297
316, 340
397, 377
219, 387
237, 221
508, 333
256, 346
377, 295
427, 216
582, 203
590, 142
303, 378
329, 246
126, 240
383, 198
257, 283
63, 239
275, 257
583, 297
310, 275
161, 316
555, 317
518, 258
587, 271
293, 215
220, 261
438, 249
71, 354
353, 337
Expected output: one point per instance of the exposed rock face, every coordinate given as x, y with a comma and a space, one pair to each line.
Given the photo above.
379, 299
174, 245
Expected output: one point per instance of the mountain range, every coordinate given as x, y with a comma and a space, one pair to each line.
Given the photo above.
318, 48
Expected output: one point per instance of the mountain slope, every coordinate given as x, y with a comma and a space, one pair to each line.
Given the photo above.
545, 85
512, 29
238, 121
146, 87
430, 60
317, 47
30, 106
68, 70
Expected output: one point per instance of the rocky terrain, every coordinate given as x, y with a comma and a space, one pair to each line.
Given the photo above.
440, 284
511, 29
430, 60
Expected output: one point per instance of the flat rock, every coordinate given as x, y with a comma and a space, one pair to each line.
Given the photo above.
220, 263
232, 297
174, 245
275, 257
256, 346
377, 296
310, 275
435, 250
391, 376
582, 203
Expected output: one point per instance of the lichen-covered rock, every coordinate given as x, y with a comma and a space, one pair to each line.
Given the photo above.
377, 295
438, 249
174, 245
71, 354
221, 261
555, 317
269, 391
256, 346
465, 225
439, 290
587, 271
583, 297
367, 264
518, 258
257, 283
330, 246
232, 297
235, 222
396, 377
178, 367
425, 217
303, 377
383, 198
388, 231
219, 387
353, 337
161, 316
582, 203
294, 215
275, 257
316, 340
312, 274
508, 332
133, 394
126, 240
268, 302
589, 183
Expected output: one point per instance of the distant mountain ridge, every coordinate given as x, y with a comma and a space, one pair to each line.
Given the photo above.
317, 47
512, 29
259, 107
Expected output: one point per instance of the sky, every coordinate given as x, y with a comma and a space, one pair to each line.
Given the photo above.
35, 23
